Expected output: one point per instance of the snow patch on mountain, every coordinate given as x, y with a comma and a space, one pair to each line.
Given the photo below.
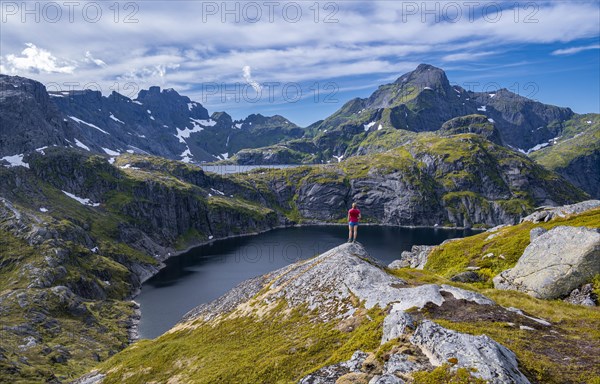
536, 148
81, 145
206, 123
111, 152
81, 199
186, 156
77, 120
368, 126
15, 161
115, 119
183, 134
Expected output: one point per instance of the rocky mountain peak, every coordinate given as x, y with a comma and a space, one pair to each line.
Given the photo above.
425, 75
222, 118
28, 117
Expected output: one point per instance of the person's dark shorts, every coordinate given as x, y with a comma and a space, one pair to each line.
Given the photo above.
353, 224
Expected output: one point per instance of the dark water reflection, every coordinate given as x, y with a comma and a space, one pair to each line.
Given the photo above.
205, 273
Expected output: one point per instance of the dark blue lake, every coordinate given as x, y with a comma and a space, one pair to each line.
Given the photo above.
207, 272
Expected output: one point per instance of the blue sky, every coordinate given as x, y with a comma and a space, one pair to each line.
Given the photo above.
240, 57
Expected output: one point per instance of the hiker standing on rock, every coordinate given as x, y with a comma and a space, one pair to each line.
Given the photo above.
353, 217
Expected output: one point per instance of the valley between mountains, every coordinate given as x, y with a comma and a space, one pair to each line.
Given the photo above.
97, 192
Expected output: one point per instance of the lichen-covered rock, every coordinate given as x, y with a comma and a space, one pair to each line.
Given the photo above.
536, 232
400, 363
91, 378
583, 296
330, 283
395, 324
386, 379
555, 263
415, 258
330, 373
492, 361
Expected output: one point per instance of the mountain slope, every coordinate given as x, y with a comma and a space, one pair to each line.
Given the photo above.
79, 235
576, 153
461, 180
342, 317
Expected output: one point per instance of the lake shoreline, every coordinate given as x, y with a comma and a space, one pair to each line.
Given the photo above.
133, 329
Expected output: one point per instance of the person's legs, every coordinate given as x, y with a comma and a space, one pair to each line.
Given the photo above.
349, 233
355, 231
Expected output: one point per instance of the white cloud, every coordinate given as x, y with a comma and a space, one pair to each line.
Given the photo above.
172, 46
466, 56
574, 50
247, 74
90, 59
151, 74
37, 60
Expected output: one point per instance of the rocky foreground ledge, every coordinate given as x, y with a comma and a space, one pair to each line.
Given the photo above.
340, 287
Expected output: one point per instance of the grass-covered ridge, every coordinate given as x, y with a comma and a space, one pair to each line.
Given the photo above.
495, 252
580, 137
281, 348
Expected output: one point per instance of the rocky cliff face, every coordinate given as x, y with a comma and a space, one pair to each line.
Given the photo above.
462, 180
28, 118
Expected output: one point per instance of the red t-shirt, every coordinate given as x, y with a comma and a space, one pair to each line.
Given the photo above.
353, 213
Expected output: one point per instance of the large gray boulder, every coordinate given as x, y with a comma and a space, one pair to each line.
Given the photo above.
492, 361
555, 263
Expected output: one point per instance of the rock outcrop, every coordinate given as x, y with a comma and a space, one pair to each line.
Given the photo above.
329, 282
493, 362
479, 124
555, 263
415, 258
335, 281
584, 295
545, 214
29, 119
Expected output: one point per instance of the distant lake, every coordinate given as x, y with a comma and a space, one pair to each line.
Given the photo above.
207, 272
234, 168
